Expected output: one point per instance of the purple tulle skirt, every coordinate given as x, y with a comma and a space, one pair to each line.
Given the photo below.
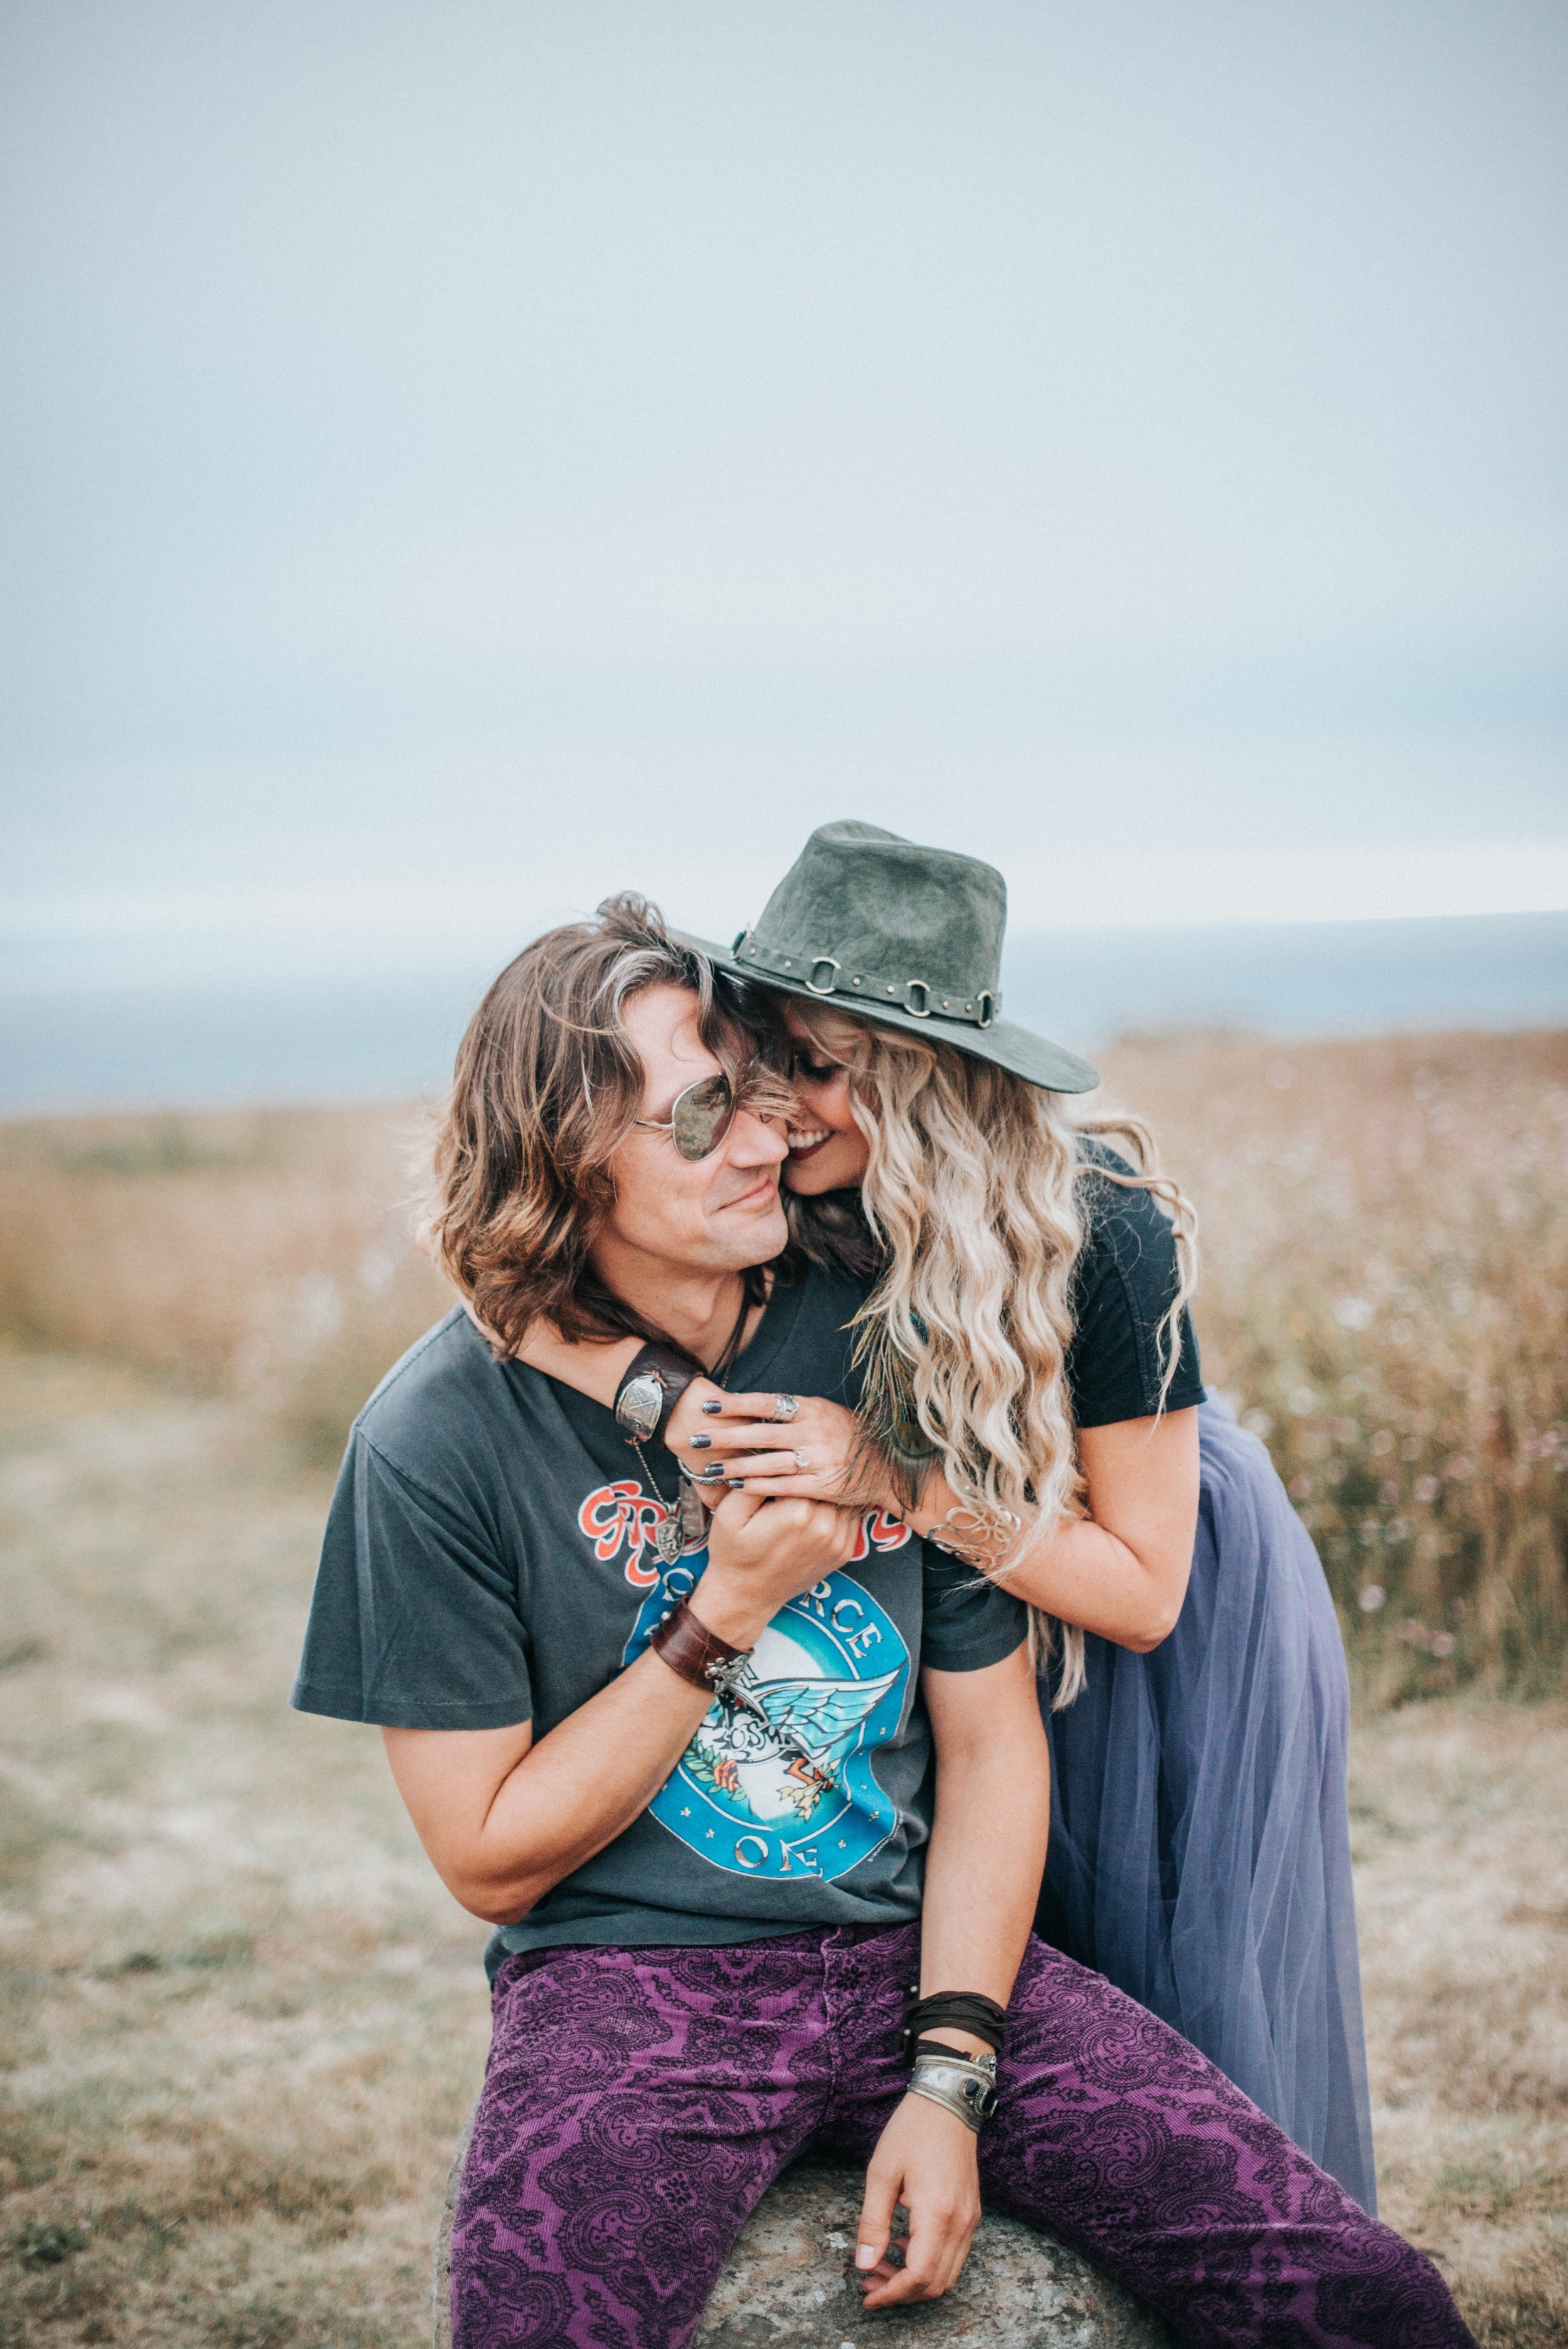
1200, 1852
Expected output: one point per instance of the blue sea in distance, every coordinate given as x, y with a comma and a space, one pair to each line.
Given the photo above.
344, 1040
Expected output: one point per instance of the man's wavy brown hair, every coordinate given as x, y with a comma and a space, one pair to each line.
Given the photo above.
545, 1089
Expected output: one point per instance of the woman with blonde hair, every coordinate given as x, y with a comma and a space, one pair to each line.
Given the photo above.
1032, 1402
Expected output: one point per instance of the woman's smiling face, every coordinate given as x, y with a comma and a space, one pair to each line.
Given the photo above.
828, 1151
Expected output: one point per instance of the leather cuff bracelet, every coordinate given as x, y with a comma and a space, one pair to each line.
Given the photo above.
964, 2085
654, 1384
694, 1653
960, 2010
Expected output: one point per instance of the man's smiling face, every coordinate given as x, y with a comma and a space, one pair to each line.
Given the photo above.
718, 1214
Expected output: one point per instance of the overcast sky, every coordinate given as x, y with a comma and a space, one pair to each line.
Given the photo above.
459, 459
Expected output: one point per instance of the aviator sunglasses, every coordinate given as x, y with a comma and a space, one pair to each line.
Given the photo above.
700, 1118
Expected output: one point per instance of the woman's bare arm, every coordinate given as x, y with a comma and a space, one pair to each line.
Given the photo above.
589, 1367
1121, 1570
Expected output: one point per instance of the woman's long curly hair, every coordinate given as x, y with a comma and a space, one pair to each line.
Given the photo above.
976, 1204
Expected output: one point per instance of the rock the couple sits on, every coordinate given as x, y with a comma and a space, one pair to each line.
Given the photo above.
703, 1668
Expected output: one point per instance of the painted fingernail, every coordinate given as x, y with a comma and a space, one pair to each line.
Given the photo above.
699, 1443
736, 1483
713, 1409
865, 2255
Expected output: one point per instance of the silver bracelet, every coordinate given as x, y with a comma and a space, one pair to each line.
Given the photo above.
974, 1539
963, 2084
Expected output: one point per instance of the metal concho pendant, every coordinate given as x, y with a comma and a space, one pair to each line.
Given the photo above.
693, 1518
669, 1539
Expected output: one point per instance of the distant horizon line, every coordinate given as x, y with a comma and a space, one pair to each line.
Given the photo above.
202, 974
359, 1034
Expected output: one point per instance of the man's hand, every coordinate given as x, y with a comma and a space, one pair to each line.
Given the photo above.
762, 1554
745, 1438
927, 2160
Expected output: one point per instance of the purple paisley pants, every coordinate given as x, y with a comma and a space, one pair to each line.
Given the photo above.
638, 2104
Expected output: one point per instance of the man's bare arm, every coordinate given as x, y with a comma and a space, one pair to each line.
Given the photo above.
983, 1870
987, 1849
504, 1819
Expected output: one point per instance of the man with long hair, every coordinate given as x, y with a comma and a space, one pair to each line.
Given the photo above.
756, 1799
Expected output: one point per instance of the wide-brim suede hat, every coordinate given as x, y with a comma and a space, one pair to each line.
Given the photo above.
910, 938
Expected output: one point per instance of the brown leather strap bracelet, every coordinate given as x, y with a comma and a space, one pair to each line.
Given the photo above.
654, 1384
694, 1652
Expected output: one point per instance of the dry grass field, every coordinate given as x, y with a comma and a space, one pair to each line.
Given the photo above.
242, 2020
1457, 1809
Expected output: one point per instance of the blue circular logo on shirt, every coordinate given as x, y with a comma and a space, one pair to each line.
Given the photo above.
780, 1783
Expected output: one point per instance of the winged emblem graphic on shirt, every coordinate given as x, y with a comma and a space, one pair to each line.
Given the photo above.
779, 1743
780, 1777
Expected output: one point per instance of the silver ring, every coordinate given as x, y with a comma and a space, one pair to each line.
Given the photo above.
786, 1406
801, 1461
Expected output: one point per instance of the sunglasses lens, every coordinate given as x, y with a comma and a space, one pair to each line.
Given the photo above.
700, 1118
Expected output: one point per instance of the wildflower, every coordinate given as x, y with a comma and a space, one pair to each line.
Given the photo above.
1370, 1597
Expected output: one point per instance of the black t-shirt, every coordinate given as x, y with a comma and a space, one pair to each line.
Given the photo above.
1123, 1284
490, 1559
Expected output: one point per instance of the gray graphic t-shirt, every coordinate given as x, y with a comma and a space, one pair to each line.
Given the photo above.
489, 1558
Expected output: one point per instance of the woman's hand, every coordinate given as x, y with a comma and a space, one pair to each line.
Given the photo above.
927, 2160
820, 1455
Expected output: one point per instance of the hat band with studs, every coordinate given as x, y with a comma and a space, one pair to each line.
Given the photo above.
825, 975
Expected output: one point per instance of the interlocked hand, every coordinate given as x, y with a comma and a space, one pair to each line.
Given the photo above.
818, 1454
